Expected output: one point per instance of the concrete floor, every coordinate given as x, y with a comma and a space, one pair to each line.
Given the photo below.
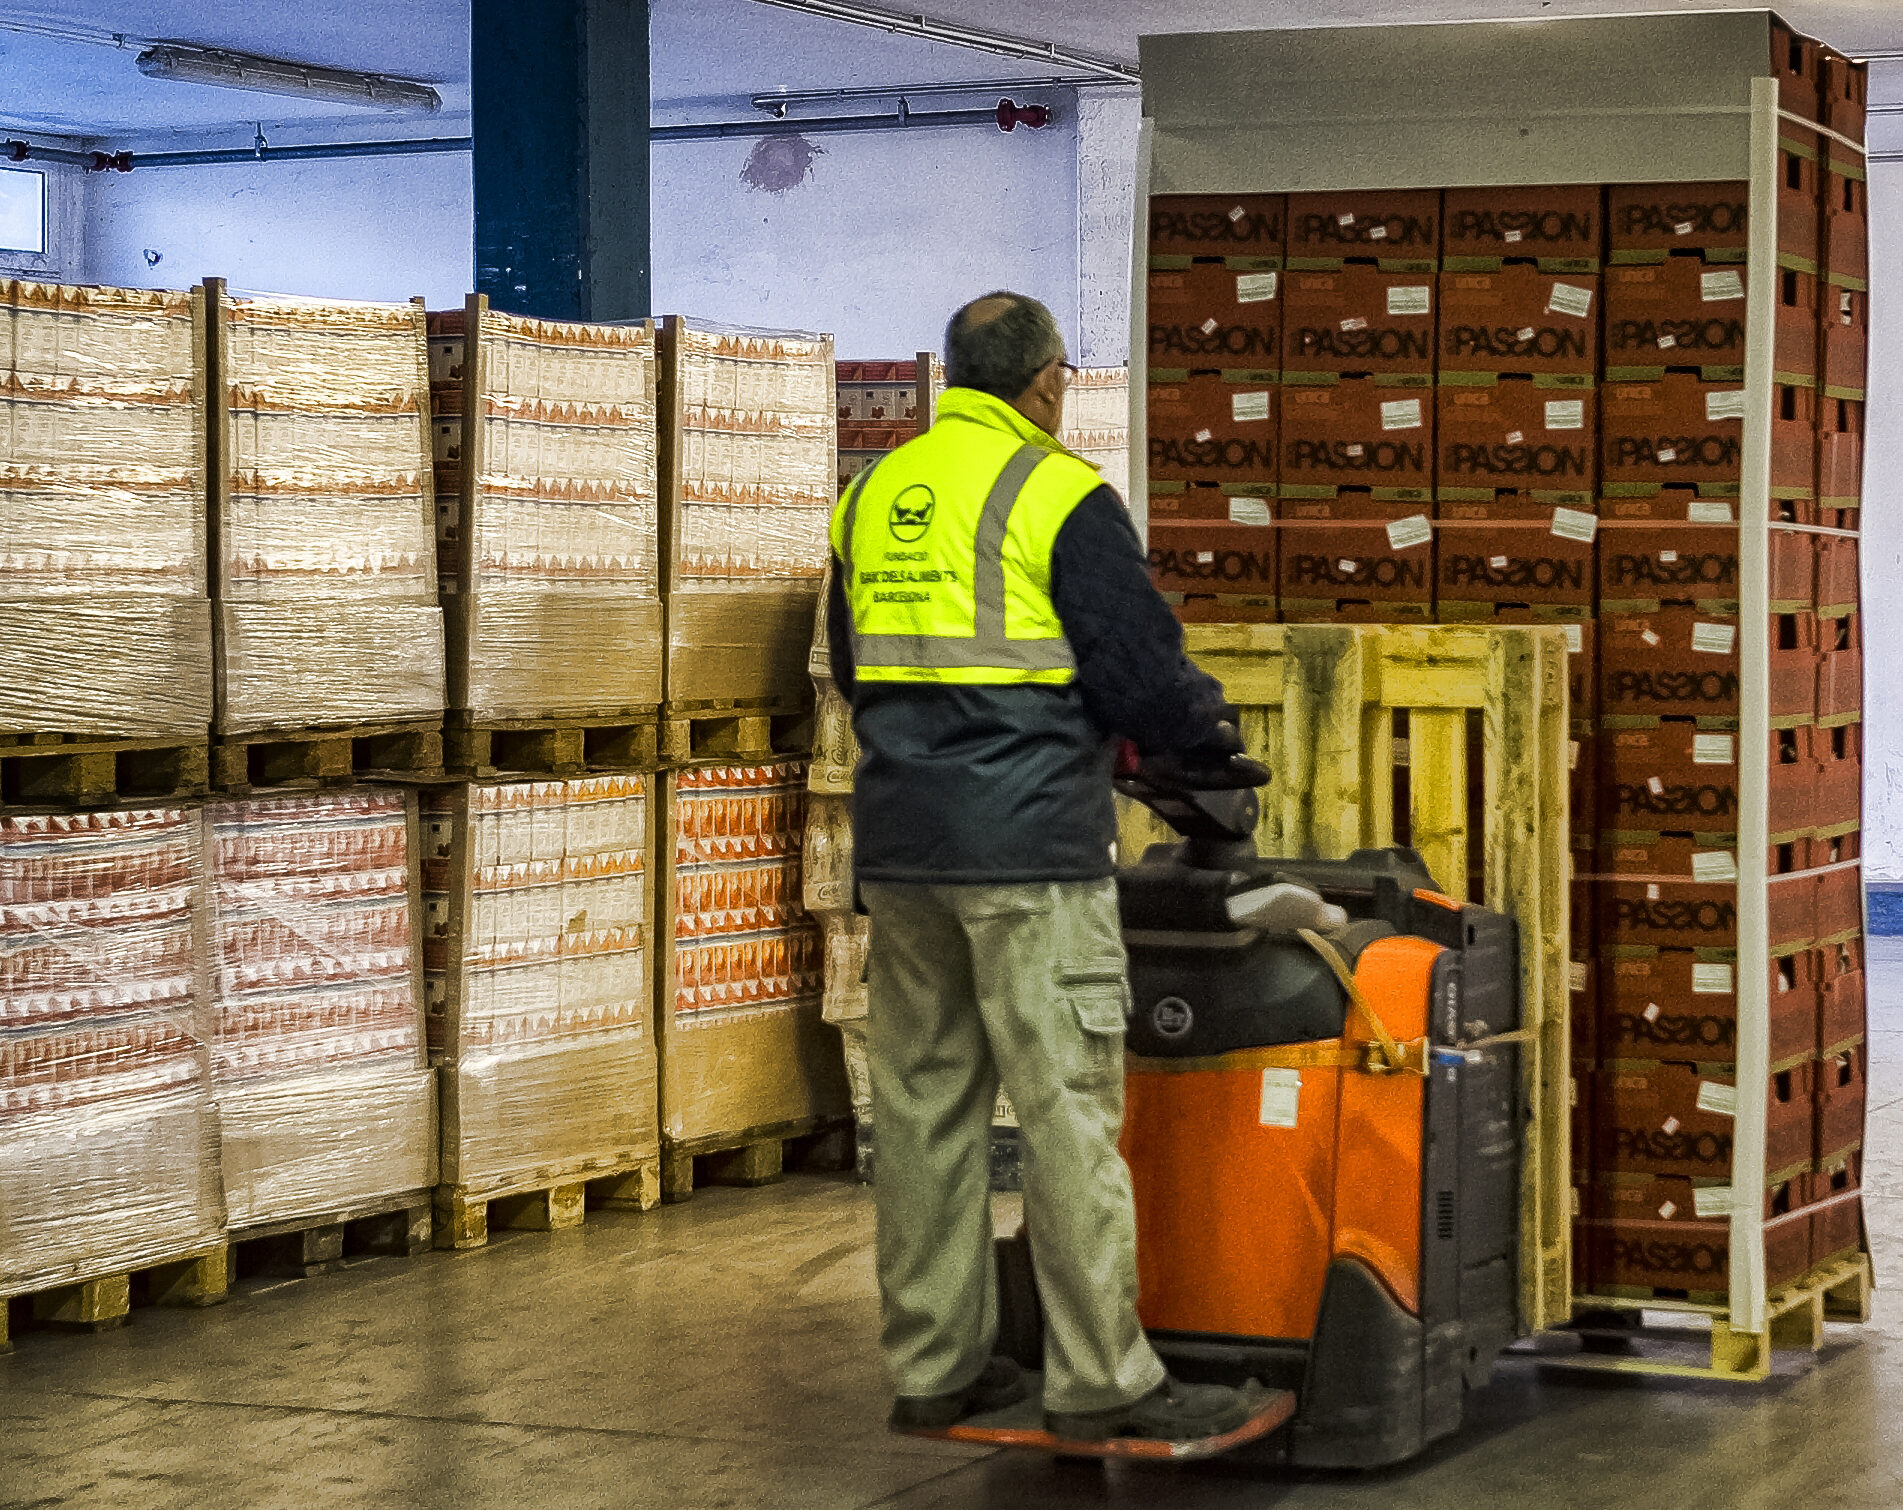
722, 1354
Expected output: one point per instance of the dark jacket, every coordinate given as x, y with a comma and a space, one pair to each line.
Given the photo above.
973, 784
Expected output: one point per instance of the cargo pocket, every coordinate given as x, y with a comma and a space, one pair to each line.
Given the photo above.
1098, 991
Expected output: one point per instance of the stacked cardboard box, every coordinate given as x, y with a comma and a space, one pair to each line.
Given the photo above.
880, 409
744, 1047
546, 513
325, 1098
1097, 422
323, 520
1582, 446
538, 896
108, 1136
749, 474
102, 534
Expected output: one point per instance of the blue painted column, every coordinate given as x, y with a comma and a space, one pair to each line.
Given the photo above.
560, 106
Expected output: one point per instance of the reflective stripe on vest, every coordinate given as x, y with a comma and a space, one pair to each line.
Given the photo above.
987, 646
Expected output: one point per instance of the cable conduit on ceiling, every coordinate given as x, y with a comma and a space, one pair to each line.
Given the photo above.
959, 36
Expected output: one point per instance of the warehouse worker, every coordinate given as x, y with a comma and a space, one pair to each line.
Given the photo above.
993, 623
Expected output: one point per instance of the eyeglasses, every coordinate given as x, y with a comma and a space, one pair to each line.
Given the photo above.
1069, 367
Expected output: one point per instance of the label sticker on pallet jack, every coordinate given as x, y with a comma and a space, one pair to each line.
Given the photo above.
1281, 1096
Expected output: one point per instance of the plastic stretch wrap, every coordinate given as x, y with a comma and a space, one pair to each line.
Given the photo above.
327, 532
550, 543
758, 454
1097, 422
146, 666
743, 941
539, 994
108, 1142
102, 516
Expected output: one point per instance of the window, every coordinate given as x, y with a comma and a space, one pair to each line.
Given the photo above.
22, 210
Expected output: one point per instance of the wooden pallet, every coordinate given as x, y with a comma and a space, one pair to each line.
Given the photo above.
699, 733
482, 749
464, 1215
757, 1156
78, 770
1622, 1342
301, 1247
339, 755
104, 1301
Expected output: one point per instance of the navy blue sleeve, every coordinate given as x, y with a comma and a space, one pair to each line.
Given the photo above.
839, 632
1135, 678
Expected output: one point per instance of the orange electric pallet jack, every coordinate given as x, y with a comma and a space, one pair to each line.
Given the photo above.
1323, 1126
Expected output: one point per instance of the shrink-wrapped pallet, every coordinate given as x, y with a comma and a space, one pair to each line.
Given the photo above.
539, 995
102, 517
749, 459
324, 1092
1097, 422
547, 513
108, 1137
323, 514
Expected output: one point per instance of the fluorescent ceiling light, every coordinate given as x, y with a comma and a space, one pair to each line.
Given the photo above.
243, 70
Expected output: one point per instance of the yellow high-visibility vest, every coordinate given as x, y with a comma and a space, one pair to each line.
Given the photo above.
946, 545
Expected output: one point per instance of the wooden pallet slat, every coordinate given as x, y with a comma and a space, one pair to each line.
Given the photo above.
55, 770
102, 1302
545, 1202
303, 759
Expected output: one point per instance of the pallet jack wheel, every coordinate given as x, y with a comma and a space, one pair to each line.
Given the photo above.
1020, 1312
1608, 1331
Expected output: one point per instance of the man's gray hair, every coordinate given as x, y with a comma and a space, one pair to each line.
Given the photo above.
1000, 349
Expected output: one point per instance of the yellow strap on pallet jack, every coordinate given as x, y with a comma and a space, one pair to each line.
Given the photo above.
1386, 1056
1329, 1055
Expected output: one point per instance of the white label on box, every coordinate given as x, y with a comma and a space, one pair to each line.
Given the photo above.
1683, 228
1208, 325
1525, 333
1711, 1200
1572, 754
1416, 529
1401, 414
1410, 299
1497, 563
1249, 511
1668, 556
1668, 453
1651, 891
1513, 235
1205, 557
1668, 1210
1565, 414
1669, 1126
1514, 437
1575, 524
1569, 299
1709, 511
1713, 867
1726, 283
1651, 1012
1355, 448
1649, 637
1344, 564
1378, 233
1245, 407
1725, 403
1255, 288
1575, 638
1346, 217
1667, 341
1203, 435
1717, 1098
1711, 980
1281, 1097
1712, 749
1354, 322
1714, 639
1577, 974
1655, 786
1237, 213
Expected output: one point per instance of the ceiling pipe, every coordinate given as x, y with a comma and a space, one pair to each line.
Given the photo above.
960, 36
776, 101
1004, 116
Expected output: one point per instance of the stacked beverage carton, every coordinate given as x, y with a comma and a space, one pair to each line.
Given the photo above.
102, 532
325, 1098
547, 513
323, 518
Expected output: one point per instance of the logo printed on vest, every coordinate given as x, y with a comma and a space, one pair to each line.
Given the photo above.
911, 514
1171, 1017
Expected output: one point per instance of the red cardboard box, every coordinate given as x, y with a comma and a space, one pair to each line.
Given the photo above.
1218, 225
1647, 1234
1843, 252
1355, 547
1799, 194
1557, 224
1680, 1119
1840, 1097
1678, 312
1839, 460
1674, 217
1838, 754
1224, 315
1845, 333
1389, 225
1512, 550
1835, 1204
1840, 667
1519, 318
1839, 901
1357, 433
1652, 889
1677, 660
1171, 502
1797, 63
1673, 1004
1836, 588
1211, 557
1675, 775
1517, 436
1677, 428
1842, 1008
1844, 91
1204, 428
1648, 556
1358, 318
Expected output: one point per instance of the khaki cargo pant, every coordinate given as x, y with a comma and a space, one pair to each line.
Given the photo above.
1024, 983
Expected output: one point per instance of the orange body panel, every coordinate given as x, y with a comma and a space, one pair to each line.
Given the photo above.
1237, 1220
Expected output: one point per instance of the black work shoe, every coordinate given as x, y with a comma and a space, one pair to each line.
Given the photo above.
1001, 1384
1172, 1412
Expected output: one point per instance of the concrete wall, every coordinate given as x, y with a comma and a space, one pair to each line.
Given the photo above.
876, 236
1107, 123
1883, 534
353, 228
